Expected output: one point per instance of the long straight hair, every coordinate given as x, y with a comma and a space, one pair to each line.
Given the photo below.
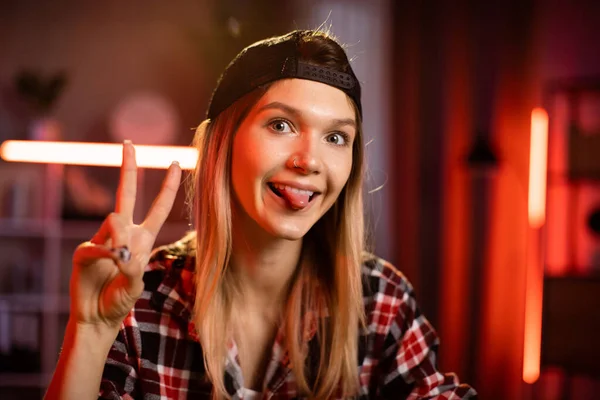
328, 284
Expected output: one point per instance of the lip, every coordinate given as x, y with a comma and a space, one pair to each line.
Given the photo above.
297, 185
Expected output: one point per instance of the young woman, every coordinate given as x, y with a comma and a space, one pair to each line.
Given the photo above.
273, 295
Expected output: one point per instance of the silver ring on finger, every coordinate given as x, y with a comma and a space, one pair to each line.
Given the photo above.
122, 253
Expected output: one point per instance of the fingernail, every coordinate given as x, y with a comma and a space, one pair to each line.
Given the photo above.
122, 253
175, 163
126, 141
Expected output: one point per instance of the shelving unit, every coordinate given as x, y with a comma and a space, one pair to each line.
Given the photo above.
35, 266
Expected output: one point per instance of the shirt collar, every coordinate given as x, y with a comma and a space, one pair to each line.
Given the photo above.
175, 295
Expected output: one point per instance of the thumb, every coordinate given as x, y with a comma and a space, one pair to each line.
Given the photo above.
87, 253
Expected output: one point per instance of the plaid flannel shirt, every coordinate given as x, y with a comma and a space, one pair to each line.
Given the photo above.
157, 355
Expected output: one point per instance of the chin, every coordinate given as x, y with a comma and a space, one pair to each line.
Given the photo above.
287, 231
290, 237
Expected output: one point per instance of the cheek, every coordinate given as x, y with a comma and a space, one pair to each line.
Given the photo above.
249, 164
338, 175
340, 169
247, 148
241, 168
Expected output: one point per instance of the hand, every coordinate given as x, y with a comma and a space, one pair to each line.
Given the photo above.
108, 270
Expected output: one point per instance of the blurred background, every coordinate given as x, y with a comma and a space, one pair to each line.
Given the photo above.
449, 91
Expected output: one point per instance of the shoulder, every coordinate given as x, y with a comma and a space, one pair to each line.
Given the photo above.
388, 298
381, 276
175, 260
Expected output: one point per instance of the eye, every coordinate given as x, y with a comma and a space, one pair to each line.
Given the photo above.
280, 125
338, 138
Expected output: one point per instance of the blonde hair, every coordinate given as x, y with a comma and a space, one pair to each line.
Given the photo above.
328, 285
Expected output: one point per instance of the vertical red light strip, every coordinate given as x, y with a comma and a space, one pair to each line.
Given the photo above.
538, 164
535, 271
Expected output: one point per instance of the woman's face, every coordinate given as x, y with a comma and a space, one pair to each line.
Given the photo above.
292, 156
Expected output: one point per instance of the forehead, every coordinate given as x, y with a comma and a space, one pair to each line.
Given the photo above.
309, 97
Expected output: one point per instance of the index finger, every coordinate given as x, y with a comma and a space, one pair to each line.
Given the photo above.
125, 202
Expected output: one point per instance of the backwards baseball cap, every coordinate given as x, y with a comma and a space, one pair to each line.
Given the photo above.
273, 59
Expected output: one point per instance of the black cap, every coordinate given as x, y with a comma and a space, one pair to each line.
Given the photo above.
270, 60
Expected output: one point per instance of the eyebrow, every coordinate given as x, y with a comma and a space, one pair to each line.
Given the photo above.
298, 114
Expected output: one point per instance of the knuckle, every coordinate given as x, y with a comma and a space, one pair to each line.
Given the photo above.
117, 228
115, 220
112, 218
82, 247
82, 252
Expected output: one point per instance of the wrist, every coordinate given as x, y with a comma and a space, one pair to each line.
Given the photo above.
100, 336
81, 361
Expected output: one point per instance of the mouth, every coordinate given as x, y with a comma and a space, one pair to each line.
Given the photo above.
281, 191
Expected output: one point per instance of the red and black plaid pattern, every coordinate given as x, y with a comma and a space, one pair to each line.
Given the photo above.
157, 354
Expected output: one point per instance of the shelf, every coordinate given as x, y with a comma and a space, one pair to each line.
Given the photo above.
42, 239
24, 379
67, 229
27, 227
34, 302
78, 230
84, 230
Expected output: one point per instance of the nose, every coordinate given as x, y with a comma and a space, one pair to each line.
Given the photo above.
306, 159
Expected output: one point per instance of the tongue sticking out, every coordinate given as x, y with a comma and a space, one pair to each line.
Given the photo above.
296, 200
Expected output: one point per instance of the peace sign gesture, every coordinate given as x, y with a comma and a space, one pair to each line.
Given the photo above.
108, 270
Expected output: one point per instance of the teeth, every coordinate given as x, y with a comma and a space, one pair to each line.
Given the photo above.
293, 190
